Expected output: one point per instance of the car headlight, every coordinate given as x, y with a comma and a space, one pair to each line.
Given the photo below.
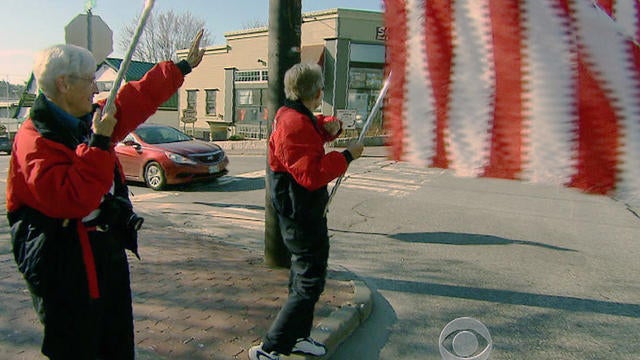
179, 159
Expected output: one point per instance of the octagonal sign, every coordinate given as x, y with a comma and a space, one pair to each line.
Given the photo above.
101, 41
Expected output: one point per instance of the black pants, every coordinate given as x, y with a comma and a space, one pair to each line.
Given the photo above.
77, 327
308, 242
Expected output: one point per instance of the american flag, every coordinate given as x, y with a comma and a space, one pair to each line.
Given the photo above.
544, 91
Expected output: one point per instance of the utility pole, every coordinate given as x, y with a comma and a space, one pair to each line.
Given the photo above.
285, 28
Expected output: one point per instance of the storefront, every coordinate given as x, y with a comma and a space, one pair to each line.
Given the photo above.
365, 81
227, 94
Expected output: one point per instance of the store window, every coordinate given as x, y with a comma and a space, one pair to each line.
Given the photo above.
364, 87
251, 99
251, 105
211, 101
246, 96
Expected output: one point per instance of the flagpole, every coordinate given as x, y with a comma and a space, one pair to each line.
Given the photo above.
122, 71
363, 132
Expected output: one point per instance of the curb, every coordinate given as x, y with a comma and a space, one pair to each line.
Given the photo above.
244, 147
341, 323
378, 140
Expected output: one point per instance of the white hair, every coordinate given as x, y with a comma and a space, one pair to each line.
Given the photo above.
302, 81
59, 60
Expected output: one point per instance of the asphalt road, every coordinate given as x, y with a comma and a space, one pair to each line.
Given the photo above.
551, 272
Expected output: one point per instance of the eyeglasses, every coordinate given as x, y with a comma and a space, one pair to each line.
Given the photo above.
90, 80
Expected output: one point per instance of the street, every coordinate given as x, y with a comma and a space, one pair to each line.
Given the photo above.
551, 272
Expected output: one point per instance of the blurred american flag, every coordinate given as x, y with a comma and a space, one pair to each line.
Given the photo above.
537, 90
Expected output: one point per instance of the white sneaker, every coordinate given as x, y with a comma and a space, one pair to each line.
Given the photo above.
308, 346
256, 353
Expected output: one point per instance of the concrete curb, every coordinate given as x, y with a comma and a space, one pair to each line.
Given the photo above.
379, 140
341, 323
244, 147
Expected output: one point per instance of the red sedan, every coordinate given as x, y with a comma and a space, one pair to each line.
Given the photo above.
160, 155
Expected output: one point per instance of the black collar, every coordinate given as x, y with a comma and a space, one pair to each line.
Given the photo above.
299, 107
49, 126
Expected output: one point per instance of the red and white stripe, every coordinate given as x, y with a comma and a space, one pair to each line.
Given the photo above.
537, 90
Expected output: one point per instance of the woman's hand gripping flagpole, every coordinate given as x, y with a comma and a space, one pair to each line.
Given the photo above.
363, 132
110, 105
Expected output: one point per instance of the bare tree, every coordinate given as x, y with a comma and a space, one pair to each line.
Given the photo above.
255, 23
164, 34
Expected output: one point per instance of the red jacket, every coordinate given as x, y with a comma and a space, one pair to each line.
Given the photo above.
61, 182
296, 147
54, 175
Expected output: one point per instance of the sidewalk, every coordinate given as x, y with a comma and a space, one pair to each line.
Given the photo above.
194, 298
259, 147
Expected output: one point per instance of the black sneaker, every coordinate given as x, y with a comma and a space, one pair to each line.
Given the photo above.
308, 346
256, 353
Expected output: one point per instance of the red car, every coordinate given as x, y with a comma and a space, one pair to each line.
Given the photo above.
161, 155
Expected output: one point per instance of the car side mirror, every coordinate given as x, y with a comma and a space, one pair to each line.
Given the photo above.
132, 143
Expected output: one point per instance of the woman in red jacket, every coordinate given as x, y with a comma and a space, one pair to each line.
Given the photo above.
68, 205
301, 171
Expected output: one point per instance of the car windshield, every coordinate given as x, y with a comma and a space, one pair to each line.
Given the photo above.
161, 135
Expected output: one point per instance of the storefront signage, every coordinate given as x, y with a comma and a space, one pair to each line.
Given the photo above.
348, 118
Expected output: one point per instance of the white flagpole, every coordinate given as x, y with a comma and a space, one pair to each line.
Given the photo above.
363, 132
110, 105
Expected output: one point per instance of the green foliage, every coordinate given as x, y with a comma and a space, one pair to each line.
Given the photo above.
236, 137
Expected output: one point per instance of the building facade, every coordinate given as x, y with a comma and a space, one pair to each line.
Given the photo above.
227, 94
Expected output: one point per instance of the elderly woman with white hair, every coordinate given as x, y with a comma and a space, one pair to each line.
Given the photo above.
68, 205
301, 171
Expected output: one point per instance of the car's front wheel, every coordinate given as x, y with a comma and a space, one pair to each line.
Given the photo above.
154, 176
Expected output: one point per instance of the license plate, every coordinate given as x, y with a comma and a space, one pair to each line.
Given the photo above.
213, 169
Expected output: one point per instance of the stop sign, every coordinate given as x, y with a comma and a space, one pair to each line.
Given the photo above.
101, 40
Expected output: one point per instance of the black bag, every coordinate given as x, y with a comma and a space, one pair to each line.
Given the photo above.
116, 215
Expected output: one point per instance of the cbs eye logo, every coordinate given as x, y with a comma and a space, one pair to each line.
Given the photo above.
467, 338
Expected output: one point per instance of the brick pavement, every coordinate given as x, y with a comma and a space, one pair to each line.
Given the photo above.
194, 298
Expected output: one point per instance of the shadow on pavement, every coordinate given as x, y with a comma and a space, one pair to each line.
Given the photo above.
449, 238
512, 297
225, 205
224, 184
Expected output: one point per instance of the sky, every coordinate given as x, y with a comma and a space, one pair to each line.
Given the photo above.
29, 26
